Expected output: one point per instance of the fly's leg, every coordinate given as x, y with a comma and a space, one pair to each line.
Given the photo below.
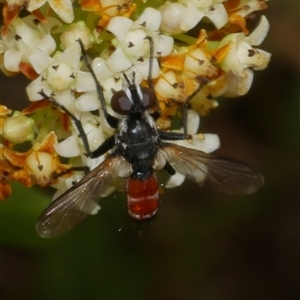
169, 169
84, 169
174, 136
102, 149
156, 114
111, 120
150, 81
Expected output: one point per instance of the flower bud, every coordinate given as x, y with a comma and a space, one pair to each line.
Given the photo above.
75, 32
18, 128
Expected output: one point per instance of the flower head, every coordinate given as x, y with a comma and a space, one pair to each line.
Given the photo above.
190, 52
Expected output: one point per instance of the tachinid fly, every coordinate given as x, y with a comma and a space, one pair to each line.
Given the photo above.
137, 147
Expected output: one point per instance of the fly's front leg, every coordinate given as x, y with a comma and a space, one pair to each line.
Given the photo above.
156, 114
111, 120
102, 149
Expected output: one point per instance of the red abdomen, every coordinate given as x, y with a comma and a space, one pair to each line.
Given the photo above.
142, 197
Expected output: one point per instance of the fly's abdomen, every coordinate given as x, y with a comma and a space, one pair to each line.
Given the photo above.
142, 197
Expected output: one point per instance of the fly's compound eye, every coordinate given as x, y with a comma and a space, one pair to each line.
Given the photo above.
149, 97
120, 103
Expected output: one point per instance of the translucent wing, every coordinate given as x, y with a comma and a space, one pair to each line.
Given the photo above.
78, 202
225, 175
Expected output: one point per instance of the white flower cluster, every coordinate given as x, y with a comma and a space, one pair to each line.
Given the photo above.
30, 46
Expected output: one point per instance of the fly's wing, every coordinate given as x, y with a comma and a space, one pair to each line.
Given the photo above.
78, 202
225, 175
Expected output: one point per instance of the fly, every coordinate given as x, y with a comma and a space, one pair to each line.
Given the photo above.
136, 147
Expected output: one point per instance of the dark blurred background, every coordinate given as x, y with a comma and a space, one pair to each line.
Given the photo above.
203, 245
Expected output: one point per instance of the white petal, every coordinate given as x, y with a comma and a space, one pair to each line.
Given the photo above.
74, 32
245, 82
70, 56
159, 161
238, 85
174, 181
119, 26
64, 8
193, 121
94, 134
85, 82
110, 84
39, 60
92, 163
165, 86
163, 45
218, 15
65, 184
196, 63
59, 76
260, 32
201, 4
172, 17
125, 169
28, 35
135, 44
210, 143
87, 102
12, 59
95, 209
66, 98
202, 142
35, 4
35, 87
191, 18
47, 44
118, 61
263, 59
68, 147
151, 18
101, 68
142, 70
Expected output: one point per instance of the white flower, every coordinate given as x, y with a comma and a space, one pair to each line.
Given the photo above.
57, 74
242, 57
202, 142
181, 17
24, 36
246, 7
18, 128
74, 32
131, 43
131, 55
63, 8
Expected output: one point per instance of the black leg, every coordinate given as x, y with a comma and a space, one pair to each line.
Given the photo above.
169, 169
173, 136
184, 108
111, 120
184, 111
103, 148
156, 114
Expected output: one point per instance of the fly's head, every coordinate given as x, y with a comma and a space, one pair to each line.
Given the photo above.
133, 99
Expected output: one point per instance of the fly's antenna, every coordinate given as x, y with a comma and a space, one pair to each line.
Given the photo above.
127, 79
111, 120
